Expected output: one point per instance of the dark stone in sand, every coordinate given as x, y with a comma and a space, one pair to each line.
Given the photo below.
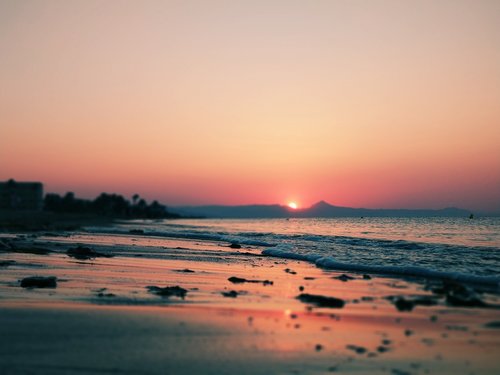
366, 277
39, 282
344, 277
445, 287
403, 304
85, 253
382, 349
494, 324
235, 246
301, 288
395, 371
30, 250
239, 280
309, 278
292, 272
136, 231
425, 301
321, 301
464, 300
186, 270
107, 295
457, 295
357, 349
318, 347
53, 234
230, 294
169, 291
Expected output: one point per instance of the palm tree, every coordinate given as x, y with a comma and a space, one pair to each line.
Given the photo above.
135, 198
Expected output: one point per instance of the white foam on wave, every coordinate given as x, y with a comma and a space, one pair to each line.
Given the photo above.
321, 261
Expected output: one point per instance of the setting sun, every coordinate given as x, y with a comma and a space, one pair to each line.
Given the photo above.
292, 205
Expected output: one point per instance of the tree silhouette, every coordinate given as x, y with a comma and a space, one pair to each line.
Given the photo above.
135, 198
111, 205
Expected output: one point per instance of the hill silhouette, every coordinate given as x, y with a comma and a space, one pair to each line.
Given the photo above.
320, 209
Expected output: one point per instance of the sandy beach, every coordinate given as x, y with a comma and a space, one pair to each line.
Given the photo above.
237, 312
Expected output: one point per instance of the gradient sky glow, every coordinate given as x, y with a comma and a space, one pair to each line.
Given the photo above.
359, 103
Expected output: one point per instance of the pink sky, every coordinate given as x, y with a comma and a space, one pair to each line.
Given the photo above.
359, 103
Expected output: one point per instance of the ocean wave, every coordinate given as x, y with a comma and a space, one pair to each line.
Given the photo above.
326, 262
397, 257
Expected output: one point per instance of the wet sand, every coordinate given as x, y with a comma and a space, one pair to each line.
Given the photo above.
102, 318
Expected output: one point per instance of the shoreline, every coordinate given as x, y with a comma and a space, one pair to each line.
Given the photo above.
102, 309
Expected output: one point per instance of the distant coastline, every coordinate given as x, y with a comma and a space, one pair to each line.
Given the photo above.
24, 206
321, 209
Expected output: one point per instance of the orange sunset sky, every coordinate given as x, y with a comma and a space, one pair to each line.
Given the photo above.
360, 103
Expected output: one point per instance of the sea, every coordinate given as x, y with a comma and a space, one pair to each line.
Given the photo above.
460, 249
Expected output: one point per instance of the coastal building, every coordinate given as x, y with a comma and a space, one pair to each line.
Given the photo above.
21, 195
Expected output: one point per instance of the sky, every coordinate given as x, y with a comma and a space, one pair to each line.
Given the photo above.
377, 104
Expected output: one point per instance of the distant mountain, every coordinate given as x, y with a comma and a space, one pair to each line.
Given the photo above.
324, 209
234, 212
320, 209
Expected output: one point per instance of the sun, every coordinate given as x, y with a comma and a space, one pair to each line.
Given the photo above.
293, 205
